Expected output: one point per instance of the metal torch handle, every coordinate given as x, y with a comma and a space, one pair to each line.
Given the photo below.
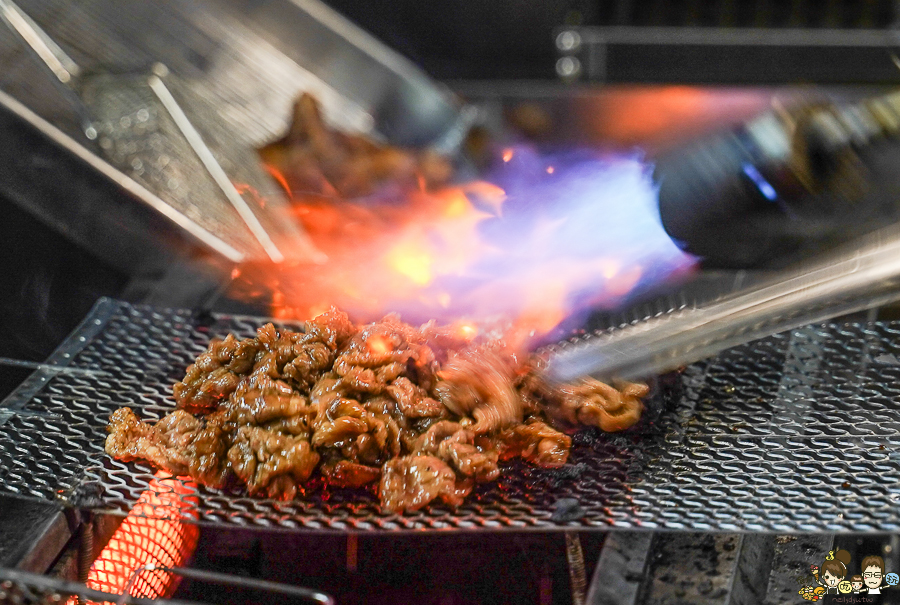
851, 279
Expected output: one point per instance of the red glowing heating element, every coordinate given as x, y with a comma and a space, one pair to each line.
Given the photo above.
154, 534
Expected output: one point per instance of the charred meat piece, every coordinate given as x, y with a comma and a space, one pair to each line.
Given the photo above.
342, 420
162, 444
479, 382
469, 455
303, 357
179, 443
350, 474
609, 408
537, 443
207, 452
375, 356
593, 403
413, 400
360, 435
215, 373
256, 406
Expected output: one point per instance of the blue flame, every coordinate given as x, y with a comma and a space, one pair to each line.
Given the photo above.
582, 217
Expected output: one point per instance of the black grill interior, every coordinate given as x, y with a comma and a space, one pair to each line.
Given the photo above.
852, 14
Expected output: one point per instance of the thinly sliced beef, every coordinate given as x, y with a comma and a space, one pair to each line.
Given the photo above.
179, 443
215, 374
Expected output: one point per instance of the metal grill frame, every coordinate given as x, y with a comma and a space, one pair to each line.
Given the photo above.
799, 432
24, 588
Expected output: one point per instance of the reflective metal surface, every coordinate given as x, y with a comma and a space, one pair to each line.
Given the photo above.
236, 68
249, 58
854, 278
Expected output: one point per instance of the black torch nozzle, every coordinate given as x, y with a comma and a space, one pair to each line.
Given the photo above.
784, 185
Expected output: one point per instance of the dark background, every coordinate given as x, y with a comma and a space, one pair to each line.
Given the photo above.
513, 39
459, 39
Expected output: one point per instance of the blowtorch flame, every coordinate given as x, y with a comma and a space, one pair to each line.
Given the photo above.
545, 238
280, 179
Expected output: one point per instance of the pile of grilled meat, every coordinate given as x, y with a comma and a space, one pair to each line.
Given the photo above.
423, 413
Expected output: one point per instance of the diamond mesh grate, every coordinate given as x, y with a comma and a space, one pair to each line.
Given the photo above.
797, 432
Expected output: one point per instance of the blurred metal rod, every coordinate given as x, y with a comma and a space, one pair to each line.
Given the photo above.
859, 276
213, 167
34, 365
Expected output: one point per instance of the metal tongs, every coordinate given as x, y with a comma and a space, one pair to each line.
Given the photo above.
126, 113
856, 277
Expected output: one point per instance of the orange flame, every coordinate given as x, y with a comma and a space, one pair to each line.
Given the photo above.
467, 331
429, 255
279, 178
378, 254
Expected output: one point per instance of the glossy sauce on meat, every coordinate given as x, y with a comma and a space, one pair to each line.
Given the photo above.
423, 413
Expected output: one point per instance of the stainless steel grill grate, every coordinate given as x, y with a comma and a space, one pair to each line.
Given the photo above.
797, 432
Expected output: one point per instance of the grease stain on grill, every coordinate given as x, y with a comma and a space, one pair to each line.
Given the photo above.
203, 319
888, 358
566, 510
87, 495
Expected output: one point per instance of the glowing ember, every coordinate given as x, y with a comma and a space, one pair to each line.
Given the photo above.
153, 534
546, 238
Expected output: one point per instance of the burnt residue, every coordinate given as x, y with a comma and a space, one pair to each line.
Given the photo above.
567, 509
790, 565
203, 318
690, 568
